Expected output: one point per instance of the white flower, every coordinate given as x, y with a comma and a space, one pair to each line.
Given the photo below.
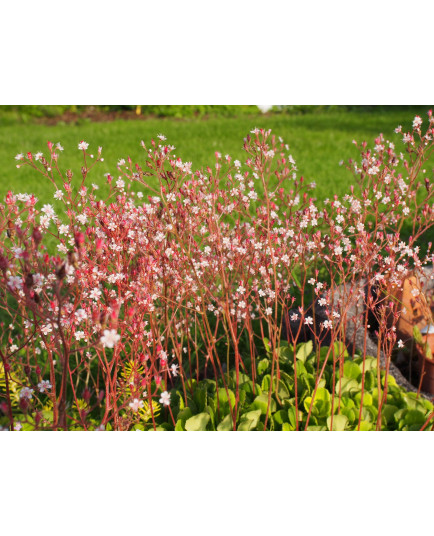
308, 320
174, 368
95, 294
415, 292
268, 311
48, 210
26, 393
19, 156
400, 344
322, 302
13, 348
294, 317
38, 156
120, 183
83, 145
79, 335
161, 137
327, 324
44, 385
165, 398
46, 329
17, 426
63, 229
59, 147
417, 122
58, 194
136, 404
110, 338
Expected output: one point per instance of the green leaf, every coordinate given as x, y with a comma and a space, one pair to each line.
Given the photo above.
340, 349
414, 417
249, 421
184, 414
267, 345
197, 423
224, 399
261, 402
200, 396
367, 398
388, 413
263, 366
352, 370
280, 416
339, 423
180, 426
365, 426
304, 351
348, 386
226, 425
321, 406
266, 381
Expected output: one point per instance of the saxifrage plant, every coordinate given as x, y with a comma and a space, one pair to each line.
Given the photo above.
109, 303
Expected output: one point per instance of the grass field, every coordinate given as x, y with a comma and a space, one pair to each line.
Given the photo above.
317, 142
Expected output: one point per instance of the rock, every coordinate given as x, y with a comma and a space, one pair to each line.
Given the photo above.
350, 302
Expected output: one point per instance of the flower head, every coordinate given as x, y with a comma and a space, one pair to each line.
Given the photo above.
136, 404
165, 398
110, 338
26, 393
44, 385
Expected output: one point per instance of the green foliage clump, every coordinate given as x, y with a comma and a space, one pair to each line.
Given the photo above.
336, 404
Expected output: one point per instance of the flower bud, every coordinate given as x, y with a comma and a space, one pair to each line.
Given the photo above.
37, 236
79, 239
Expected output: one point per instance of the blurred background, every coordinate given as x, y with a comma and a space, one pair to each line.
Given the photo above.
319, 137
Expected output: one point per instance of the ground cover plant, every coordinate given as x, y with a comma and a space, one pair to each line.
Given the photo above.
161, 302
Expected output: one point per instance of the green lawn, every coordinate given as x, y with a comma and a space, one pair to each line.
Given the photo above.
317, 142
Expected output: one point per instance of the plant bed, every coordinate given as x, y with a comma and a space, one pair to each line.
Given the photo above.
124, 310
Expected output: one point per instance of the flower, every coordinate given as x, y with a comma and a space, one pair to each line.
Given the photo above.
26, 393
95, 294
165, 398
17, 426
400, 344
308, 320
44, 385
174, 368
294, 317
110, 338
136, 404
58, 194
46, 329
19, 156
417, 122
83, 145
13, 348
80, 335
